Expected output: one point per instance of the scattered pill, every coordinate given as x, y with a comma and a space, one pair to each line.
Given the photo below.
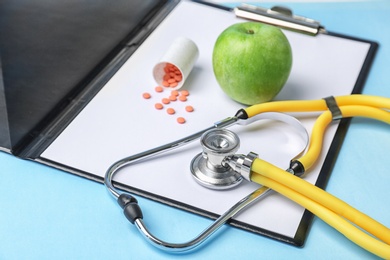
146, 95
171, 111
181, 120
159, 89
185, 93
158, 106
172, 98
183, 98
166, 101
189, 108
174, 93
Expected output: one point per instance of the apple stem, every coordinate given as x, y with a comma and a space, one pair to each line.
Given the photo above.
250, 31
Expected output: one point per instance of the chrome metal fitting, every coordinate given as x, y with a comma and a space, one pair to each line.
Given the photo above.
207, 167
241, 164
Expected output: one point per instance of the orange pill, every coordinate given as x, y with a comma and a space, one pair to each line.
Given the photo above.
185, 92
172, 85
171, 111
181, 120
146, 95
175, 93
158, 89
166, 101
165, 83
183, 98
158, 106
172, 98
189, 109
178, 78
171, 81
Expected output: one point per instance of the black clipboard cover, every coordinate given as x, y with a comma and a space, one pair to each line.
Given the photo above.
40, 96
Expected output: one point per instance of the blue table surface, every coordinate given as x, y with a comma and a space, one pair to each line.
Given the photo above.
46, 213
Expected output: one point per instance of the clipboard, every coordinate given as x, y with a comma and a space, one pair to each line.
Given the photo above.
71, 98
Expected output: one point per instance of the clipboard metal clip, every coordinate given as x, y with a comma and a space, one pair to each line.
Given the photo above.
281, 17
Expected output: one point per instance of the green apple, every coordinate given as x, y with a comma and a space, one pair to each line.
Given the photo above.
252, 62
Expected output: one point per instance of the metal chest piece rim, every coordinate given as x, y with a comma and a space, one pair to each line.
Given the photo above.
208, 168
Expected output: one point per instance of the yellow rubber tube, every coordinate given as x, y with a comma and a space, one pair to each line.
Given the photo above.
317, 105
316, 140
364, 111
350, 231
261, 169
287, 106
321, 203
322, 122
363, 100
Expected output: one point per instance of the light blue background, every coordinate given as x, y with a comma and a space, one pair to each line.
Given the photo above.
46, 213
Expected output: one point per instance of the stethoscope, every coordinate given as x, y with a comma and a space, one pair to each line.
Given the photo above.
218, 167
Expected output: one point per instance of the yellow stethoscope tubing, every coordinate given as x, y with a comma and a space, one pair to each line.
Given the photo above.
329, 208
317, 105
316, 139
350, 231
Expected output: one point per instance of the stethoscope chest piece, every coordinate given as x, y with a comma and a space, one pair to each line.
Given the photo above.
208, 168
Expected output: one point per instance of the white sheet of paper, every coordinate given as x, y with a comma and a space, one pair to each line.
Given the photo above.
118, 122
